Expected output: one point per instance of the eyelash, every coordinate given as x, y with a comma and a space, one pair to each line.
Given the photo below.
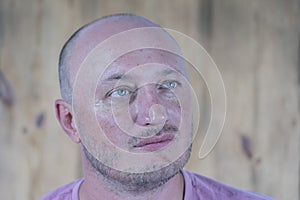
169, 82
109, 94
130, 91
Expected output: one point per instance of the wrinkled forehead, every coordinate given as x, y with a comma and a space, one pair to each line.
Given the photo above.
146, 60
114, 36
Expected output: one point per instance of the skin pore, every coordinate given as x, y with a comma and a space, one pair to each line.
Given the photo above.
105, 182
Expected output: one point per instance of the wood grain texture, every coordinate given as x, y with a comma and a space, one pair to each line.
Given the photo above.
254, 43
256, 51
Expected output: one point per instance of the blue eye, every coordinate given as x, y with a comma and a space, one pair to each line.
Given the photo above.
119, 92
169, 85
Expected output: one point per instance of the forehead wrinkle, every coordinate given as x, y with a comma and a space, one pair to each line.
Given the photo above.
125, 76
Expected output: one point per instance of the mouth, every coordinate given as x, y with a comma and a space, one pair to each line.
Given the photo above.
155, 143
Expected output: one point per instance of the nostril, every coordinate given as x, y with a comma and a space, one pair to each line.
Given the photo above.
147, 120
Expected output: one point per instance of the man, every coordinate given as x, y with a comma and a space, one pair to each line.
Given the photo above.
126, 102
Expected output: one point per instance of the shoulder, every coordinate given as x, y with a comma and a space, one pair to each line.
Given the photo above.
66, 192
200, 187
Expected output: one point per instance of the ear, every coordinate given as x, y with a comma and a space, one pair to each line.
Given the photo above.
64, 115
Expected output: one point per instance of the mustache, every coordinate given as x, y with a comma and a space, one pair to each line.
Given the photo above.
154, 132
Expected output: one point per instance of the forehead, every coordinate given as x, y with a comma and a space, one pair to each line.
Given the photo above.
142, 57
98, 34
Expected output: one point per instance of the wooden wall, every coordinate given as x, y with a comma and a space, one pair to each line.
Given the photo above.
254, 43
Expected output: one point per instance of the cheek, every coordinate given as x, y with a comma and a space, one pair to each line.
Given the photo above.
174, 111
179, 109
111, 129
105, 116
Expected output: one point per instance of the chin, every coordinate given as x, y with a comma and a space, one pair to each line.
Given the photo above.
138, 182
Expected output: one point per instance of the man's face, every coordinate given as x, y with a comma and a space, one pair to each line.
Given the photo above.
142, 104
139, 101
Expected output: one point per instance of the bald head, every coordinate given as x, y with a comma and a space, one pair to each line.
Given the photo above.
84, 40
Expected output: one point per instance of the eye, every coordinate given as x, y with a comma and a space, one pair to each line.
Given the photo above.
119, 92
169, 85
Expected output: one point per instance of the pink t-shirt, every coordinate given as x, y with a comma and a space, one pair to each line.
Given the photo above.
197, 187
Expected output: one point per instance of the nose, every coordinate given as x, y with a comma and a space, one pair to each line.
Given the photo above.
145, 108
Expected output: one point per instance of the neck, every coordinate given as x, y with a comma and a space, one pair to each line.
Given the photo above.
98, 187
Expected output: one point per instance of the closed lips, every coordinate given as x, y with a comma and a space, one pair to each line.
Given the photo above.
167, 137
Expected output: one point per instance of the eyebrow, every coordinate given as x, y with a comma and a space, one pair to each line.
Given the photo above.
169, 71
117, 76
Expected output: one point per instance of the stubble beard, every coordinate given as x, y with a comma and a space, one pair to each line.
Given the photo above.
136, 183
